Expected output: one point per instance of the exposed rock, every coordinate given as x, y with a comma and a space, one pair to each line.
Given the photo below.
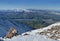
12, 32
53, 33
26, 34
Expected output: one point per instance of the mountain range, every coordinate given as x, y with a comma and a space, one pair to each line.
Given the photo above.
26, 19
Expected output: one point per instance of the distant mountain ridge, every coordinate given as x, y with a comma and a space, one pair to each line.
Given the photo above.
33, 19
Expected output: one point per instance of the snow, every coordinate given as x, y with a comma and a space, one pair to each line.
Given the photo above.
57, 13
42, 29
21, 10
34, 35
14, 31
29, 38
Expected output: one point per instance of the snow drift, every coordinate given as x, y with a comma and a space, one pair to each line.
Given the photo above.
29, 38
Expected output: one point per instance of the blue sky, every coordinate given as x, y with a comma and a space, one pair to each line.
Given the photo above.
30, 4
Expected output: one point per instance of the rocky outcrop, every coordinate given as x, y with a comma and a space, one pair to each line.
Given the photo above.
53, 33
12, 32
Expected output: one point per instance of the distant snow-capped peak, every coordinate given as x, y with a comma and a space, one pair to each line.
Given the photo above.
20, 10
16, 10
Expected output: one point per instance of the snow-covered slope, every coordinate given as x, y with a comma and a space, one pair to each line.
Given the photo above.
42, 29
50, 33
29, 38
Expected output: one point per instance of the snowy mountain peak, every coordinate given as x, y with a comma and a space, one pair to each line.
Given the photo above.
20, 10
49, 33
45, 28
16, 10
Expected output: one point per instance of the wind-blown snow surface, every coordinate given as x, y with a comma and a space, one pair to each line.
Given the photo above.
33, 35
29, 38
